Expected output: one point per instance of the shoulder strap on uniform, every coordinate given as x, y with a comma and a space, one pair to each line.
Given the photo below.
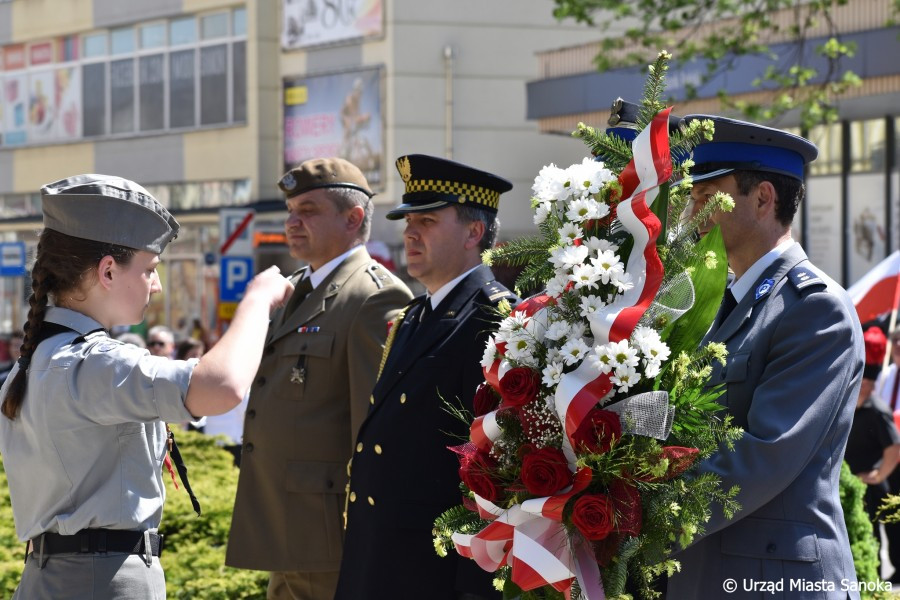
496, 291
803, 277
377, 272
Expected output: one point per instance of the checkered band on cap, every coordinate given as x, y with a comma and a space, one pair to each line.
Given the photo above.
466, 191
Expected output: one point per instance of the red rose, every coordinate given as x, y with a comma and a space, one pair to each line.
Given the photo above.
545, 471
476, 471
520, 386
485, 400
593, 515
597, 431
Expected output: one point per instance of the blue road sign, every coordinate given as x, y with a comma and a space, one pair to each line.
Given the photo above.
234, 274
12, 259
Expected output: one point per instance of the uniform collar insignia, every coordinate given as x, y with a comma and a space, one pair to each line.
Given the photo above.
764, 288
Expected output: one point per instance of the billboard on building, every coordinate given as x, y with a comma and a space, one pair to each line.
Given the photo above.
314, 22
337, 114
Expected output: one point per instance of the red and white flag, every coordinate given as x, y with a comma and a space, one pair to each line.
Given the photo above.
876, 292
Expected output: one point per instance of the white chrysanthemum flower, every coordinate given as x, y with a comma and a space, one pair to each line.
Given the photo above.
490, 353
552, 374
625, 377
573, 255
652, 369
577, 330
622, 354
550, 184
556, 286
519, 346
557, 331
574, 351
601, 359
643, 337
608, 264
599, 245
584, 276
589, 176
570, 232
514, 322
541, 213
553, 355
657, 352
622, 281
590, 305
582, 210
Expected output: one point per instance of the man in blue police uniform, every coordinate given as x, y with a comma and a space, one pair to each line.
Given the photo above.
403, 476
794, 367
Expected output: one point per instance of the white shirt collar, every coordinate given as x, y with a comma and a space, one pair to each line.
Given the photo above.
318, 276
740, 287
443, 291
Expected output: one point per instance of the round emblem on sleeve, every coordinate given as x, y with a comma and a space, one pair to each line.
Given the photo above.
106, 347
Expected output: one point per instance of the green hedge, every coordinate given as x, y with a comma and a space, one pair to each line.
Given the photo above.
194, 557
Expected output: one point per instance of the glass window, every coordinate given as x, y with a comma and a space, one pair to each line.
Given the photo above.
94, 45
121, 96
68, 48
93, 99
239, 80
152, 92
214, 26
828, 139
122, 41
153, 36
867, 145
213, 84
181, 89
182, 31
239, 20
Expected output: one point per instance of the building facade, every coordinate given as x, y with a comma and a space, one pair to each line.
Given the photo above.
206, 102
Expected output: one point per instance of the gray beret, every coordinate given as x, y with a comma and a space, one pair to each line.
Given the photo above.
108, 209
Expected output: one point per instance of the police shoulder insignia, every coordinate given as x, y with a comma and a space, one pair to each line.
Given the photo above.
802, 278
404, 168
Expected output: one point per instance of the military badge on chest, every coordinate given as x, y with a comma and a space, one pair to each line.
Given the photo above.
298, 372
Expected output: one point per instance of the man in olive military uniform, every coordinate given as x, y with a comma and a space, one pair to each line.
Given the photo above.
312, 390
403, 475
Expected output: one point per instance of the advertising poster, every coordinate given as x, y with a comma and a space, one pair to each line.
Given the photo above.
41, 106
15, 110
68, 103
868, 243
314, 22
335, 115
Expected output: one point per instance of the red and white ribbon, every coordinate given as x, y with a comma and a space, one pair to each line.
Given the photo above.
579, 391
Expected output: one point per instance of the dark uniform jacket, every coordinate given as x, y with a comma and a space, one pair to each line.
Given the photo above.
403, 475
298, 435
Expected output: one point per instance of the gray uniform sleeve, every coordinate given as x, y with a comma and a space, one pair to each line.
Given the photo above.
118, 383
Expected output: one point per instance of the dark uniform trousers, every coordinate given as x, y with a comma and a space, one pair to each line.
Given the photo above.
403, 475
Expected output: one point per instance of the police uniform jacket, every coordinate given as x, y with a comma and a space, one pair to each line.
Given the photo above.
403, 475
795, 362
91, 428
298, 435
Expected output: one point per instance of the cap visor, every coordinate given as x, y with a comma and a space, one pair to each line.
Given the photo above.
398, 213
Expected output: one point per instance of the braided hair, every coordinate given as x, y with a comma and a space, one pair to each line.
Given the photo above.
63, 264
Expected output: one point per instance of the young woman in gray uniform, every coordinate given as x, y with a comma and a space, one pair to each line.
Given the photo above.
82, 434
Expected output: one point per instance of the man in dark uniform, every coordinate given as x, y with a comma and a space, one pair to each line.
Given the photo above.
403, 475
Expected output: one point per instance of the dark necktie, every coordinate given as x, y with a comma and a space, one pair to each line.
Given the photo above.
301, 291
728, 304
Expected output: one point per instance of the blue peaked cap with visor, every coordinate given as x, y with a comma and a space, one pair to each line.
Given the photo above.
743, 146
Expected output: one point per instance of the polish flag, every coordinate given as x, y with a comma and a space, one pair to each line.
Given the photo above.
876, 292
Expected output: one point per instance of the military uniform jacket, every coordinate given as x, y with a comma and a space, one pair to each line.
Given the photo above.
298, 436
403, 475
795, 362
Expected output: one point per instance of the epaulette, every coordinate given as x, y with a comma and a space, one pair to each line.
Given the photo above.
380, 275
496, 291
802, 278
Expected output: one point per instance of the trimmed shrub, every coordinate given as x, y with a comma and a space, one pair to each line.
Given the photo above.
194, 557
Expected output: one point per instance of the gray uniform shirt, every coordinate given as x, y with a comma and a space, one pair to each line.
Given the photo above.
88, 447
